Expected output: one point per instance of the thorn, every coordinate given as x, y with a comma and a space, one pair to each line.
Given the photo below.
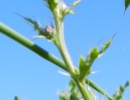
114, 35
100, 55
23, 18
94, 72
78, 50
124, 12
99, 41
19, 15
90, 46
39, 36
52, 25
46, 24
48, 16
63, 73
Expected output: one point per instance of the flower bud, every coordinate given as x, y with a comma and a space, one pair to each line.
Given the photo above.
63, 7
48, 30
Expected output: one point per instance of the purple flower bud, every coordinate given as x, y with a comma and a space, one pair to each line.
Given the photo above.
49, 29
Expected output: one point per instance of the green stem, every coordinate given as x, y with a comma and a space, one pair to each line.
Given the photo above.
30, 45
97, 88
61, 44
65, 54
83, 90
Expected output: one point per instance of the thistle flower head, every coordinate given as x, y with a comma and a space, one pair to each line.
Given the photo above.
60, 7
63, 7
49, 32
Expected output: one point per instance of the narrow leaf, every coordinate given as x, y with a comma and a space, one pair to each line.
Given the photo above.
84, 68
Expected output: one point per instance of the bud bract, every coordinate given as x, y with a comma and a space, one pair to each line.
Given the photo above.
52, 4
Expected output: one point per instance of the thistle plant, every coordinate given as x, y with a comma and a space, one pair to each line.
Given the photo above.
55, 33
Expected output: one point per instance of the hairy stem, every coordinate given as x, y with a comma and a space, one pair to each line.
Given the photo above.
61, 44
65, 54
83, 90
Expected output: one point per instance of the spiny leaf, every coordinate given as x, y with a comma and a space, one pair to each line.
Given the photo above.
36, 25
119, 93
84, 68
93, 54
127, 3
47, 32
106, 45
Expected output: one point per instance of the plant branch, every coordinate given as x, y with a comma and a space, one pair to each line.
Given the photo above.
61, 44
44, 54
30, 45
85, 93
97, 88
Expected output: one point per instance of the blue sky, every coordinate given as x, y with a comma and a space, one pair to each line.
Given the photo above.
27, 75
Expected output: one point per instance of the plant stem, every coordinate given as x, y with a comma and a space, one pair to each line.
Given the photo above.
97, 88
65, 54
83, 90
61, 44
30, 45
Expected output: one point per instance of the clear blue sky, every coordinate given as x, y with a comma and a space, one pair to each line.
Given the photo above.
27, 75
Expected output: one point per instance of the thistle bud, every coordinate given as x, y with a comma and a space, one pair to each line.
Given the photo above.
48, 30
63, 7
70, 10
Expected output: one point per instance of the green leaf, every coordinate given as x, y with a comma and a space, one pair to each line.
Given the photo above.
93, 54
36, 25
84, 68
105, 46
72, 85
127, 3
119, 93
